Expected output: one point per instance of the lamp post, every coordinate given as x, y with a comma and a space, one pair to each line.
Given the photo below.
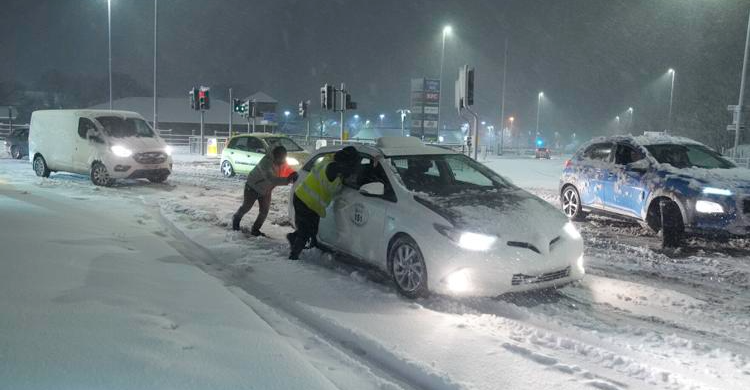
630, 119
446, 31
381, 116
109, 47
538, 110
617, 124
403, 113
156, 48
510, 128
671, 98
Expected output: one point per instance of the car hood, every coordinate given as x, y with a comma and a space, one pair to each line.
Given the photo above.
139, 144
512, 215
732, 178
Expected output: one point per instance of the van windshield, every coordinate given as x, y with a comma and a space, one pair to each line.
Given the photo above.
119, 127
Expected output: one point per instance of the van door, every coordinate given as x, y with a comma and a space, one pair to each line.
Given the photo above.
83, 145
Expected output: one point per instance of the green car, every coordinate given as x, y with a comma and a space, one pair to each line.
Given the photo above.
244, 151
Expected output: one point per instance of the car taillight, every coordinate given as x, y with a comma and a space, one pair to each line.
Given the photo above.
568, 163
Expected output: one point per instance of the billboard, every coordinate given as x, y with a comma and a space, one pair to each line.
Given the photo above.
425, 108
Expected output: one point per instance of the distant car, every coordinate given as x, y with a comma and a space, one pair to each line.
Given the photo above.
17, 143
672, 184
104, 144
542, 153
438, 221
244, 151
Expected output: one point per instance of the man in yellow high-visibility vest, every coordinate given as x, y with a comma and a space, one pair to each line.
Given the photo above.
312, 197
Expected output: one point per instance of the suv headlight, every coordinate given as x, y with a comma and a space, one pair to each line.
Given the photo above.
468, 240
708, 207
121, 151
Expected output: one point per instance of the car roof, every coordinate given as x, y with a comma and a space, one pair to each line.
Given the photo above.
262, 135
644, 140
91, 113
392, 146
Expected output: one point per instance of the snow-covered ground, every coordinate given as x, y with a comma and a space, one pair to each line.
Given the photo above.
641, 318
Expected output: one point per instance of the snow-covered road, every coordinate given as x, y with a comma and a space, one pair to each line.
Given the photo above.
640, 319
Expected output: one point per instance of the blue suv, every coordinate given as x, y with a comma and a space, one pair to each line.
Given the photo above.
671, 184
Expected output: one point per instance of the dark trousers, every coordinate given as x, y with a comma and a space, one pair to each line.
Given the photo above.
307, 222
264, 202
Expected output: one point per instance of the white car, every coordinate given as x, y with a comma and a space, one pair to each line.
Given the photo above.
104, 144
438, 221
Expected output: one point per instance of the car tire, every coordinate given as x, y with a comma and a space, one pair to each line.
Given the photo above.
158, 178
672, 227
40, 166
100, 175
570, 200
407, 268
227, 169
15, 152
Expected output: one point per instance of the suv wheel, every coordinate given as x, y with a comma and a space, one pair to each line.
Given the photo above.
672, 227
571, 204
100, 175
408, 269
40, 167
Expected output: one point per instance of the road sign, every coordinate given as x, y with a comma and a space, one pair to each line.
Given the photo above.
269, 116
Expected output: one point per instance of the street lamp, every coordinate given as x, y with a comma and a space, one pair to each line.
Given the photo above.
538, 110
403, 113
381, 116
630, 119
671, 98
356, 116
447, 30
286, 114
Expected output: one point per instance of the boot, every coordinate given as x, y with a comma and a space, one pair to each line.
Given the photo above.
235, 223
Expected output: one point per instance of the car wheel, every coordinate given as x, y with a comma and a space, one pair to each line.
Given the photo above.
40, 167
571, 204
672, 227
226, 169
408, 268
100, 175
15, 152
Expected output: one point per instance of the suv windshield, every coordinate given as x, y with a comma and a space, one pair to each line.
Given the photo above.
288, 143
445, 174
688, 156
120, 127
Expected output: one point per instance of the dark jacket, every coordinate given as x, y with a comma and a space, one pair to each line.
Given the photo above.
265, 176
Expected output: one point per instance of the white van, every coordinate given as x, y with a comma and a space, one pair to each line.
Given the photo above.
104, 144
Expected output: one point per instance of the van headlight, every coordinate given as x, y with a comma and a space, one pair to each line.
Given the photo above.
292, 161
168, 150
708, 207
121, 151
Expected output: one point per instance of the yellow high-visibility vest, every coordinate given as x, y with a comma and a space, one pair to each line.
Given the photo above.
316, 191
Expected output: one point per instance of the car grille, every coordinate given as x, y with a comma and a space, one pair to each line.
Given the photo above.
520, 279
531, 247
150, 157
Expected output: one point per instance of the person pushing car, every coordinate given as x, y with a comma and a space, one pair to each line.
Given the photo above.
312, 197
270, 172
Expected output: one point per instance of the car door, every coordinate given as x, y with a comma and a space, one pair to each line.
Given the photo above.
256, 150
83, 145
360, 219
593, 173
238, 155
626, 185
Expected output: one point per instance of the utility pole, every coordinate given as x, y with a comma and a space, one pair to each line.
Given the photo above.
203, 140
156, 51
742, 91
231, 109
109, 47
502, 100
671, 98
253, 112
403, 113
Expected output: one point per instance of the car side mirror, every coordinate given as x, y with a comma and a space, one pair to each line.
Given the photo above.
372, 189
640, 166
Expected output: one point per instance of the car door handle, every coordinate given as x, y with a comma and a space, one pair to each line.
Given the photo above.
231, 152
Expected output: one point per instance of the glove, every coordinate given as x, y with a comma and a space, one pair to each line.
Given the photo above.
293, 177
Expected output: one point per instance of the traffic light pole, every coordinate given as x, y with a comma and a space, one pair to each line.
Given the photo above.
203, 113
307, 137
231, 109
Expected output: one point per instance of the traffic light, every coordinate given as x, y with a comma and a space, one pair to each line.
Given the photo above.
204, 101
193, 93
303, 109
470, 87
238, 106
327, 97
349, 104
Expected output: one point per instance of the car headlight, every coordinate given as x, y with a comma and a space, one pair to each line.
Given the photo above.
459, 281
292, 161
708, 207
580, 263
121, 151
468, 240
168, 150
717, 191
571, 231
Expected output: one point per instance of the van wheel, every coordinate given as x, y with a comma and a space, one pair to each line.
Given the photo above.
226, 169
40, 167
99, 175
15, 152
408, 269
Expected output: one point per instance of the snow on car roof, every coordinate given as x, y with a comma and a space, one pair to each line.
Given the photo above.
407, 146
663, 138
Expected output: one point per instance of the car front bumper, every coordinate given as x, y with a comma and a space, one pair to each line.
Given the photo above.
734, 221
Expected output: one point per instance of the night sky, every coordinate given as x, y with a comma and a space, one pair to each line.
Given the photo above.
592, 58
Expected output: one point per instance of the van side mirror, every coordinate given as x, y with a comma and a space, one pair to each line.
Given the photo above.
372, 189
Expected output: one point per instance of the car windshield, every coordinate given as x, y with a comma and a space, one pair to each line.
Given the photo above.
688, 156
445, 174
120, 127
287, 143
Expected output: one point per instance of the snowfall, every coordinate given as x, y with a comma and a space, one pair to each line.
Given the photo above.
145, 286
